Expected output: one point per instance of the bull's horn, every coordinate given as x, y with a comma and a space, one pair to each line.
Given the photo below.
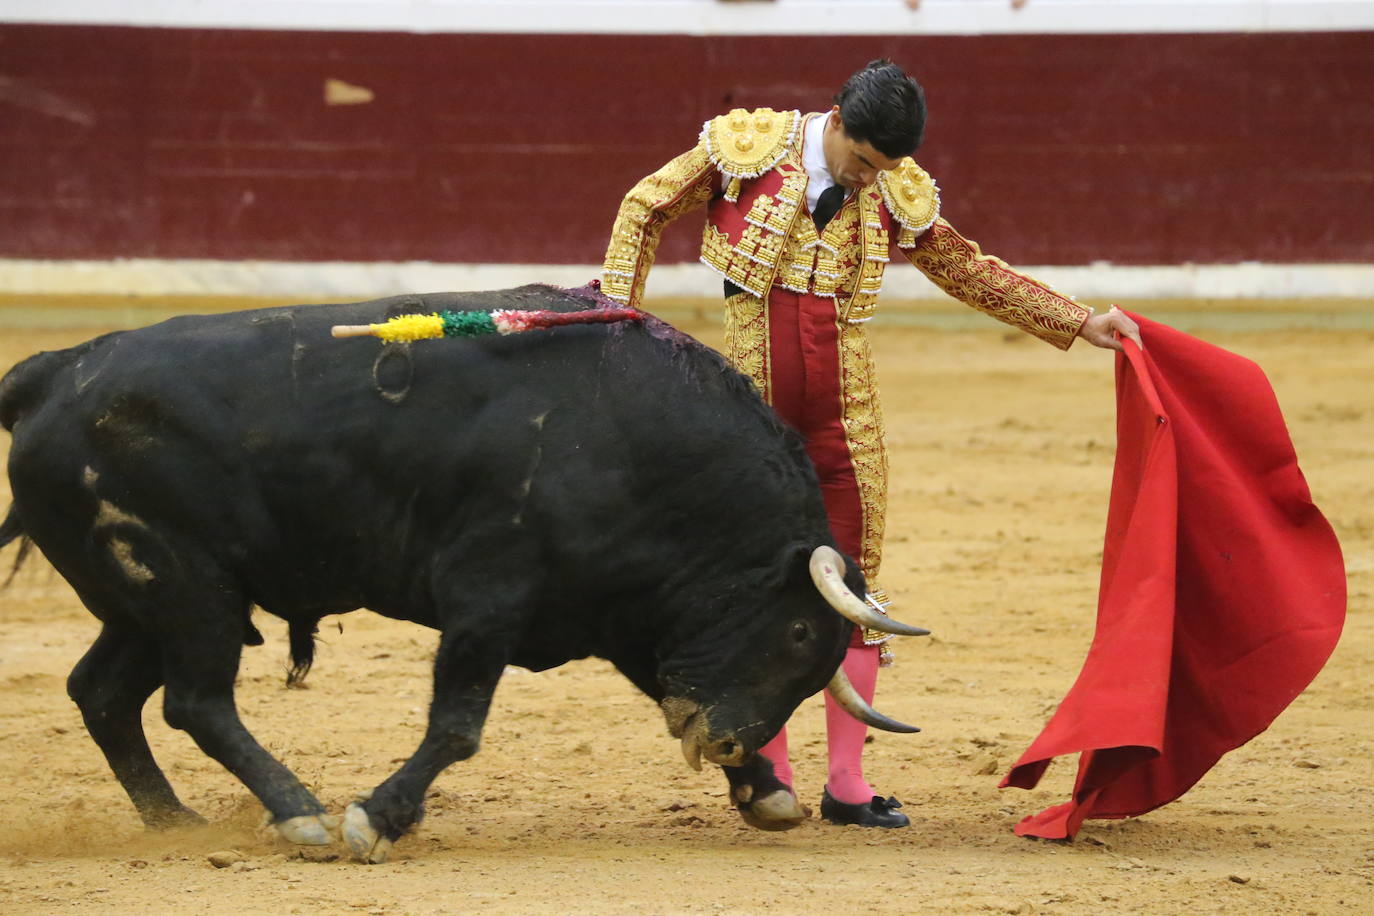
825, 572
850, 701
691, 749
693, 735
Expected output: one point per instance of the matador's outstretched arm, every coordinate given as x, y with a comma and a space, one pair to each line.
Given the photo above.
682, 185
959, 267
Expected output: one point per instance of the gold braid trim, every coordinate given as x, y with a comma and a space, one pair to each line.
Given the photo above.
682, 185
863, 428
959, 267
879, 599
867, 274
864, 434
746, 339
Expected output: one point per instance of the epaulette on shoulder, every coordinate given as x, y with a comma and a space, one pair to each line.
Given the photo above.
912, 198
745, 144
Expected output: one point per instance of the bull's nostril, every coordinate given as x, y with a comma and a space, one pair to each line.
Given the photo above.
728, 748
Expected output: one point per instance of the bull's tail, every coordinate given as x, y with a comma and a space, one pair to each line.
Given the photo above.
18, 389
26, 383
21, 389
10, 529
301, 636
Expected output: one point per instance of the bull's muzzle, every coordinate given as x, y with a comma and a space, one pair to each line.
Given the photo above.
697, 742
690, 723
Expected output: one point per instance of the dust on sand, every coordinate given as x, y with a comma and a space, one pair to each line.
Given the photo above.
1001, 453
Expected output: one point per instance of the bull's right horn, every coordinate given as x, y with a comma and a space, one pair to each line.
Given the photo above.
826, 565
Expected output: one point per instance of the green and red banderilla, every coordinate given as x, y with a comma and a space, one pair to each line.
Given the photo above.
477, 323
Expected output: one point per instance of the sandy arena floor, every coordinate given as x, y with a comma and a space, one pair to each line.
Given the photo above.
580, 803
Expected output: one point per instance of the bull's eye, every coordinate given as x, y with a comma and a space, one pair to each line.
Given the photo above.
800, 632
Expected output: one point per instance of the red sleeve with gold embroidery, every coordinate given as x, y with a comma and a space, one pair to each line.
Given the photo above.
959, 267
682, 185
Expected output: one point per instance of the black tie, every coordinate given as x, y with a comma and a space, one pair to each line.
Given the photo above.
829, 204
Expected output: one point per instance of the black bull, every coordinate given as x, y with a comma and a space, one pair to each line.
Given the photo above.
607, 490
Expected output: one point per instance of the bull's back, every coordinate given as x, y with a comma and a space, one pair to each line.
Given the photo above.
328, 470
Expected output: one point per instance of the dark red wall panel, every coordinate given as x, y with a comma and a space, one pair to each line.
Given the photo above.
1136, 149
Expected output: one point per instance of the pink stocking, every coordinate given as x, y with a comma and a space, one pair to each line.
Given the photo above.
845, 734
776, 751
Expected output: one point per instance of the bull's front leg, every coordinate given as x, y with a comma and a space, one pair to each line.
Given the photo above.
466, 669
761, 798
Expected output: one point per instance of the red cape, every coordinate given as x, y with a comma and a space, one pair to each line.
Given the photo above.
1223, 590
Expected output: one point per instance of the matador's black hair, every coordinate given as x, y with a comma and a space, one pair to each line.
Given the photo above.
883, 107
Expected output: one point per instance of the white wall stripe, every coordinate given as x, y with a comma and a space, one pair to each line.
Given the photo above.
1093, 284
713, 17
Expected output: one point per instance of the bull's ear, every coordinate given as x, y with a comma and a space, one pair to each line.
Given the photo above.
795, 564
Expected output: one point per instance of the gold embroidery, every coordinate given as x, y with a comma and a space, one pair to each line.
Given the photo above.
841, 251
717, 254
846, 262
762, 212
960, 268
911, 197
863, 424
774, 214
682, 185
745, 144
746, 339
753, 263
879, 598
759, 245
862, 307
865, 276
799, 259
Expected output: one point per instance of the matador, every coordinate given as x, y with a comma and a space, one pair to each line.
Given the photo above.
804, 212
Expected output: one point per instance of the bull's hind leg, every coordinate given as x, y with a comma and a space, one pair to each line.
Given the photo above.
466, 669
110, 685
201, 647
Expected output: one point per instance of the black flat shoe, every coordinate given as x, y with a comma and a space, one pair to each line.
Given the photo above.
877, 813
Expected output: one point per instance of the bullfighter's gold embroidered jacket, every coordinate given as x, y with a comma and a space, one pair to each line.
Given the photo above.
756, 234
747, 169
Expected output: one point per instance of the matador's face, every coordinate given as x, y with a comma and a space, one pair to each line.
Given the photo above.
851, 163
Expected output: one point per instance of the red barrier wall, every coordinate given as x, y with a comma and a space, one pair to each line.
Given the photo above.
1137, 149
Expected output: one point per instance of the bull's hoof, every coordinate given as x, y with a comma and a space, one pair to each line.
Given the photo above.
778, 810
366, 844
173, 819
308, 829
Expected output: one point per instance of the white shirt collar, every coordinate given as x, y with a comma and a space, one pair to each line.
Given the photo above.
813, 160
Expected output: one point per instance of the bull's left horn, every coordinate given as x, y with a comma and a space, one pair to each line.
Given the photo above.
826, 565
850, 701
691, 750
